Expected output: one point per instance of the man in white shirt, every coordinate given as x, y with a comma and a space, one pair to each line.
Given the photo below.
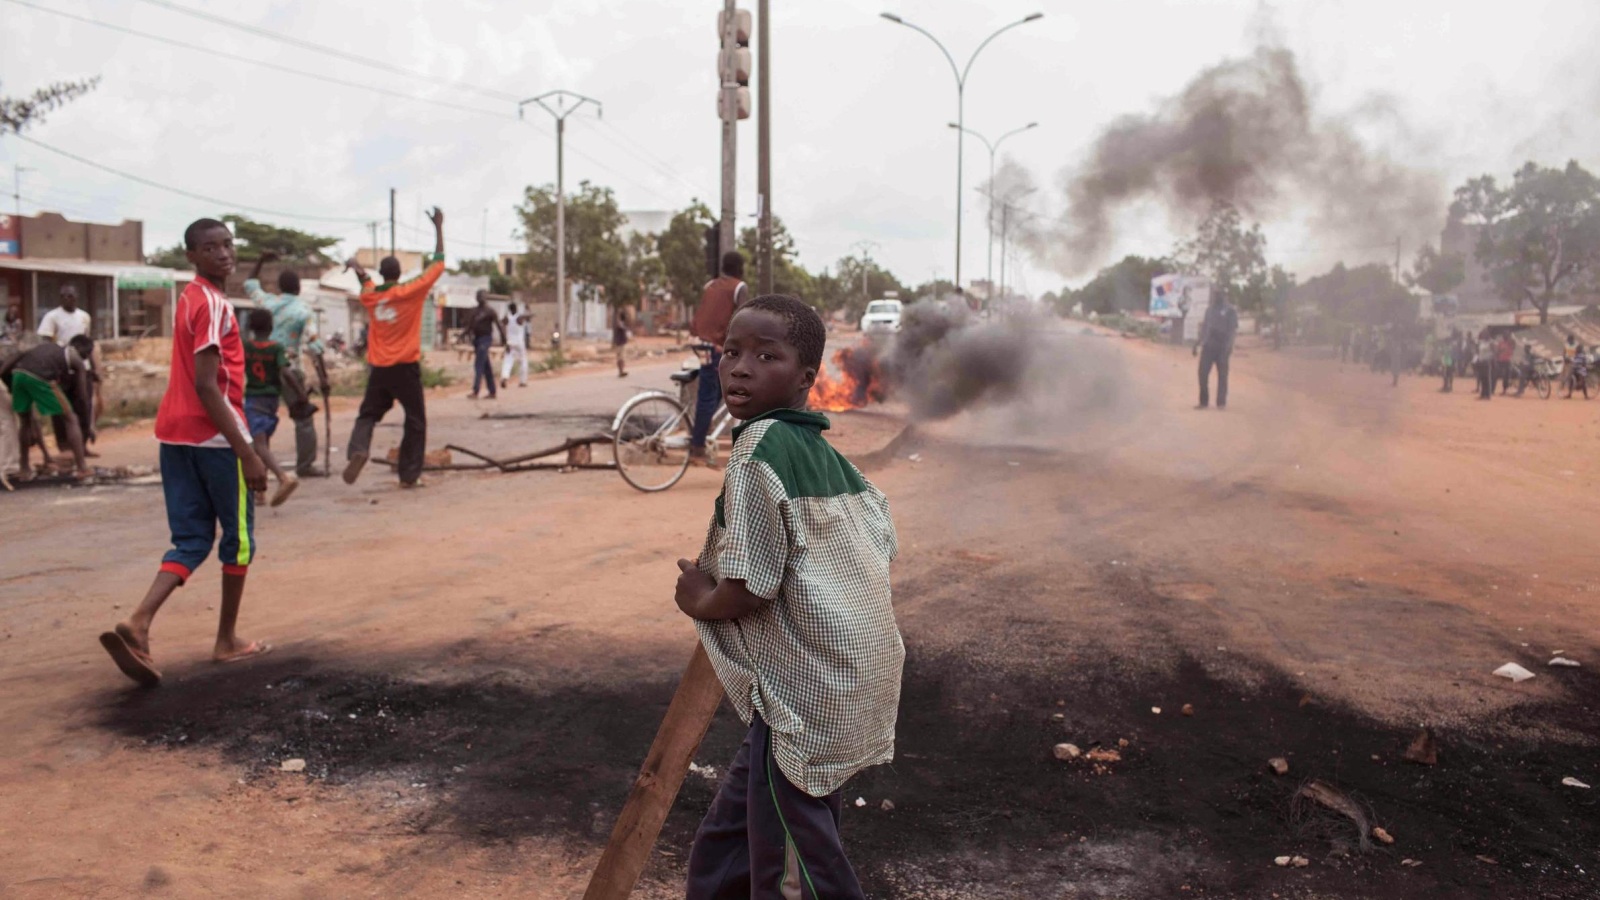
60, 326
516, 332
67, 321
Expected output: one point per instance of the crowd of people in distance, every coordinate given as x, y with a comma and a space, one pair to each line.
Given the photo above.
1492, 356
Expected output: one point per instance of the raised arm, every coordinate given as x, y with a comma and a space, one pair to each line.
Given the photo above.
436, 216
255, 270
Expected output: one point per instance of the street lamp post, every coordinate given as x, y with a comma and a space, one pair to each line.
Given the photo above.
561, 104
993, 148
961, 103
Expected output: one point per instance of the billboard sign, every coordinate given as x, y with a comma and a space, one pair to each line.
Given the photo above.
10, 236
1173, 296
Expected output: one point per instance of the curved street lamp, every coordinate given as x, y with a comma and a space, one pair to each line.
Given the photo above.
993, 149
961, 103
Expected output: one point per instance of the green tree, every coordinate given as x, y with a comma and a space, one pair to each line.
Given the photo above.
1121, 287
597, 257
1231, 255
499, 282
1435, 272
295, 248
1363, 295
858, 272
682, 252
932, 290
1540, 237
17, 114
788, 276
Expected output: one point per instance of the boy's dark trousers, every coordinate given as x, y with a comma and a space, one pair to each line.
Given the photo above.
708, 398
387, 385
765, 838
1211, 355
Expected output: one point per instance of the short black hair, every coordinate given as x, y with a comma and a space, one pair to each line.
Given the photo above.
512, 306
805, 332
733, 263
82, 343
389, 268
260, 320
289, 281
191, 235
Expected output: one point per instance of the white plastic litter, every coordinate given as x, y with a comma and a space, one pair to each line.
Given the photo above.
861, 801
1569, 781
1563, 661
1514, 672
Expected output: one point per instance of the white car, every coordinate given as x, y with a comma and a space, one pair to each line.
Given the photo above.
883, 317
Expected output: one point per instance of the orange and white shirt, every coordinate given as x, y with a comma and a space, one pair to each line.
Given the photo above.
394, 316
204, 319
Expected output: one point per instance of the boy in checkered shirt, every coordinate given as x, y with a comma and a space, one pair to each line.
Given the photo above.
791, 599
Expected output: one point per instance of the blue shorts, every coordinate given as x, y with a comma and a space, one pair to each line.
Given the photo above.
261, 414
204, 488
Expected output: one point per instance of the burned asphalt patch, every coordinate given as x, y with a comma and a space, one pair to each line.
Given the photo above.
980, 805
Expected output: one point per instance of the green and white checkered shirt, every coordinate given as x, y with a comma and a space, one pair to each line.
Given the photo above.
821, 660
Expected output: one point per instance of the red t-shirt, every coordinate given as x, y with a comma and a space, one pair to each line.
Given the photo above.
204, 318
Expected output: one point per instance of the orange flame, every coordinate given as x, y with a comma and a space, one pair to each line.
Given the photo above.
859, 382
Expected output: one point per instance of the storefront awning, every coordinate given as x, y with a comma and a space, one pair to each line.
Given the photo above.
128, 276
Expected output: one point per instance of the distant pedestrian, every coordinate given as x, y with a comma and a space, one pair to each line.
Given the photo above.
1344, 345
1579, 379
60, 326
1447, 363
621, 323
1215, 348
1483, 363
14, 325
394, 352
1505, 351
482, 326
294, 325
515, 329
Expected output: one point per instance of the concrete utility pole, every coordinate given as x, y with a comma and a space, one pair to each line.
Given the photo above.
764, 150
391, 221
556, 103
730, 130
373, 226
865, 248
961, 104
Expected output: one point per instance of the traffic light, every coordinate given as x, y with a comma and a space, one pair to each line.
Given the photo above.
713, 251
733, 66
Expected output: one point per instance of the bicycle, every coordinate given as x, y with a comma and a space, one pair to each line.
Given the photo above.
1539, 372
650, 434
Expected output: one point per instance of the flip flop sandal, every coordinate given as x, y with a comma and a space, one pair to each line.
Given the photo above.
129, 661
256, 648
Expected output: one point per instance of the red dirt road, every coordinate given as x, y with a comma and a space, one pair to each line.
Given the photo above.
472, 671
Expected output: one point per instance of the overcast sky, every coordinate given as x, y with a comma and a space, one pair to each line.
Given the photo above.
862, 150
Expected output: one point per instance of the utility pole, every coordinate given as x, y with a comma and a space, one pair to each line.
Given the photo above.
374, 245
556, 103
764, 149
485, 234
17, 185
1397, 259
391, 221
728, 109
865, 248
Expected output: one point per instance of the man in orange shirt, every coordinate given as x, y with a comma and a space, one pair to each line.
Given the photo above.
394, 355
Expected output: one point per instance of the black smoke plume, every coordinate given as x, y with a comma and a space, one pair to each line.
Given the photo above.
944, 359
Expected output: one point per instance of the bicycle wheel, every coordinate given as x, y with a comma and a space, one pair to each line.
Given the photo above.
1541, 383
652, 443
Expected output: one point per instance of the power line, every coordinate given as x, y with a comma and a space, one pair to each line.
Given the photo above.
331, 51
223, 204
329, 79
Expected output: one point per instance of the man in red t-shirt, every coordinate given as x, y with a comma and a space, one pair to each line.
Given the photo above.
209, 471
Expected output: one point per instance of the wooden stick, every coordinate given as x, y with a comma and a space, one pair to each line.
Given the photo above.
682, 729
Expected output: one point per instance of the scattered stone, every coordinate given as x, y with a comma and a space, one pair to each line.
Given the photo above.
1424, 750
1514, 672
861, 801
1569, 781
1383, 837
293, 765
1305, 701
915, 457
709, 773
1488, 859
1411, 862
1059, 717
1299, 862
1102, 754
1563, 661
1278, 765
1188, 709
887, 805
1122, 743
1156, 710
1282, 860
1067, 751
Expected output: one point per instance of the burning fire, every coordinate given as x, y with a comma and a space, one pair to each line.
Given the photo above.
860, 382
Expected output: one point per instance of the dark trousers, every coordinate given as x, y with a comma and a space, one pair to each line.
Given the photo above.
387, 385
706, 402
482, 366
1214, 356
1449, 378
305, 431
765, 838
1485, 371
